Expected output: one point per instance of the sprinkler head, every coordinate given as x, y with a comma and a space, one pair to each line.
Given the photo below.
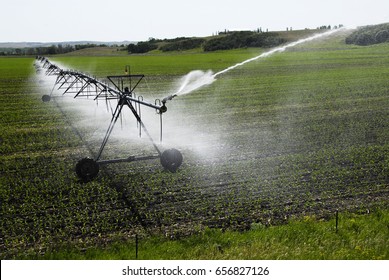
170, 97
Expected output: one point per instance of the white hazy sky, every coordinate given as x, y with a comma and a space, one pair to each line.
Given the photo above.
137, 20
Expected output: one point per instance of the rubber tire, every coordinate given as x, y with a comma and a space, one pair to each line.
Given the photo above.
46, 98
87, 169
171, 159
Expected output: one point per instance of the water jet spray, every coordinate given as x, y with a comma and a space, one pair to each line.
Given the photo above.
197, 78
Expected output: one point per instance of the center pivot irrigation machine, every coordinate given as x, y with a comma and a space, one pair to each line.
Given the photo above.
120, 89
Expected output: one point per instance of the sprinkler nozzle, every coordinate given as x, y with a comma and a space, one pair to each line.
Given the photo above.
170, 97
163, 108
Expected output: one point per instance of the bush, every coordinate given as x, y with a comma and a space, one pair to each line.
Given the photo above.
244, 39
182, 45
141, 47
369, 35
382, 36
364, 39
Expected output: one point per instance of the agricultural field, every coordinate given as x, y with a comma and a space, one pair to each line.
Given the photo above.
300, 133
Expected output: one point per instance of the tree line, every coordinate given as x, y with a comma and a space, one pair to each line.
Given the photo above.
369, 35
50, 50
225, 41
244, 39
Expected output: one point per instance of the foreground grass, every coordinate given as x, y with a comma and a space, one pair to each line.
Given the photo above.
358, 237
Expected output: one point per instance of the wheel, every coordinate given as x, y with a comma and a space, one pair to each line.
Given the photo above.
46, 98
87, 169
171, 159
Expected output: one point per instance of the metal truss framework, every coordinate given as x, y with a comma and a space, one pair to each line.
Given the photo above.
120, 89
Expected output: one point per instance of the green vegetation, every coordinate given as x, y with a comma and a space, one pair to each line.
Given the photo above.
298, 134
181, 45
369, 35
226, 41
223, 41
141, 47
357, 237
177, 44
244, 39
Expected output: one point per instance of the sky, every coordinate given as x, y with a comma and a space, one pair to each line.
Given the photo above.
140, 20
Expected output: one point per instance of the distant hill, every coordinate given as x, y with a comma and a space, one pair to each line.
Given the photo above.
22, 45
53, 48
220, 41
224, 41
291, 35
98, 51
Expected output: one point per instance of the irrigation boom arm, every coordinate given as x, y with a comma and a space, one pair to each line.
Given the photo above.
84, 85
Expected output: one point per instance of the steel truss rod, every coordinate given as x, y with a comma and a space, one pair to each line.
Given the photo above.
124, 101
79, 80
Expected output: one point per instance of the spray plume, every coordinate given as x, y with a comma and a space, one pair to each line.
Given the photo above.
197, 78
194, 80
